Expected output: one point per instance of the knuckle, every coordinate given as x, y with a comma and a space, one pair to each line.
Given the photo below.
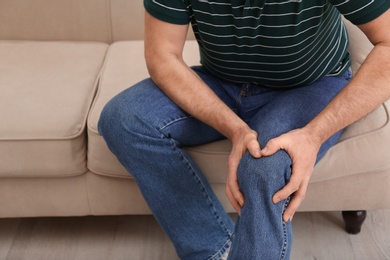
237, 195
272, 142
301, 196
294, 186
232, 163
230, 184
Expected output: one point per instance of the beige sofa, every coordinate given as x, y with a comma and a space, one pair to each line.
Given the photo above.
62, 60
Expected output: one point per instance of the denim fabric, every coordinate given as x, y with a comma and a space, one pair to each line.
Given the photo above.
148, 132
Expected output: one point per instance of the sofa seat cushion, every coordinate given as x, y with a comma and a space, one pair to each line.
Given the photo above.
124, 66
47, 89
362, 148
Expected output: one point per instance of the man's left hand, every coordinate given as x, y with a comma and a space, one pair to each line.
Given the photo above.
302, 147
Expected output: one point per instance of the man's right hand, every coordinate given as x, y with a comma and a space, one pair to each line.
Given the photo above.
244, 140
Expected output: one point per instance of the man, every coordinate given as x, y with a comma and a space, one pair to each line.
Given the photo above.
275, 81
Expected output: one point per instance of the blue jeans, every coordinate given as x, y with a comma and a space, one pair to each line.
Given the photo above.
148, 132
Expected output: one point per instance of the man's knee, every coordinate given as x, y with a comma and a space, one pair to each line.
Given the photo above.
110, 117
267, 173
121, 120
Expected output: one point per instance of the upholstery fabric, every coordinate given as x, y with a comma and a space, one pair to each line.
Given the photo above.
47, 89
26, 197
49, 20
124, 67
132, 27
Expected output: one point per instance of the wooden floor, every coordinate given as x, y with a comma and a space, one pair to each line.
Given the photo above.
316, 236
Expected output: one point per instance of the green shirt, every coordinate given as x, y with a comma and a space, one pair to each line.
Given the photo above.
275, 43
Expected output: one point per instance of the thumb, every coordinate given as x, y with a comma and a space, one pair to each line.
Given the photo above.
271, 147
254, 149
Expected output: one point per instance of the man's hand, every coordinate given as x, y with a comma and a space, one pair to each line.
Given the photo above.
302, 147
245, 140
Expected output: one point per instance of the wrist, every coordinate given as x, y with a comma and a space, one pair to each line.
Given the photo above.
314, 135
239, 131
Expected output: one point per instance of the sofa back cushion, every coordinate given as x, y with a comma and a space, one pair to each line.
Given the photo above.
127, 20
72, 20
359, 45
86, 20
47, 89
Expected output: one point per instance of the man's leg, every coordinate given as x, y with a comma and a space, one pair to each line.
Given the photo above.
260, 231
147, 132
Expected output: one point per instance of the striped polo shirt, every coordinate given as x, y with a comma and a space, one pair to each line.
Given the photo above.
273, 43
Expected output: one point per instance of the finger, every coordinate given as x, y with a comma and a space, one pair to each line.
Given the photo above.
254, 148
296, 201
236, 206
232, 183
292, 186
272, 147
236, 193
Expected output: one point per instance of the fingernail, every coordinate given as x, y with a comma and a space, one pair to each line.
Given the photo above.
265, 149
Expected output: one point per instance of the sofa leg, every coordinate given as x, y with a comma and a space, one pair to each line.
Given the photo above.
354, 220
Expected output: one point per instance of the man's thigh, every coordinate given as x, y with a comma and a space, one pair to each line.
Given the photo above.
294, 108
146, 102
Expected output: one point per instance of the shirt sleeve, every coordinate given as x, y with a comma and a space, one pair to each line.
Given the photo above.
170, 11
361, 11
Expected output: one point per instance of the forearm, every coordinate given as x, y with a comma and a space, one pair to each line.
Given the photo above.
368, 89
181, 84
164, 45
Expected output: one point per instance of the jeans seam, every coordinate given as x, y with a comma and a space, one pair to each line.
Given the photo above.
198, 180
172, 121
214, 211
285, 237
221, 251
